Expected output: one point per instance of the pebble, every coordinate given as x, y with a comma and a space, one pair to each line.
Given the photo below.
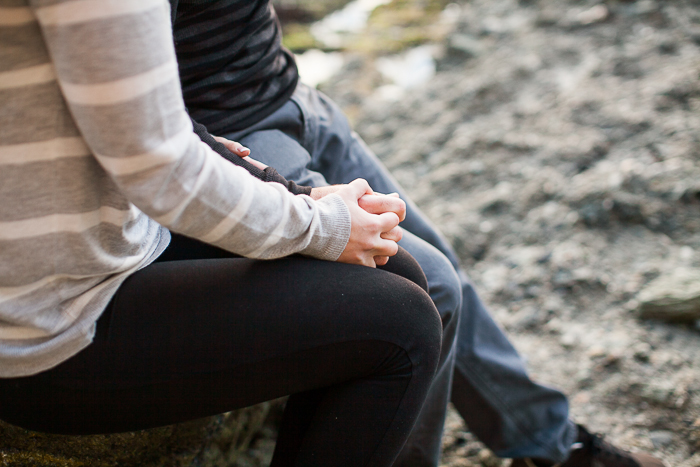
464, 46
593, 15
658, 392
661, 438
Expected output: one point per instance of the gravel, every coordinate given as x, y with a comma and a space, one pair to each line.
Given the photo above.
558, 148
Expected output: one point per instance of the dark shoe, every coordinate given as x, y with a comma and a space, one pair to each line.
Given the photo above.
590, 450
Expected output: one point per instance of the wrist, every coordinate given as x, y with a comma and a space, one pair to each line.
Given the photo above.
319, 192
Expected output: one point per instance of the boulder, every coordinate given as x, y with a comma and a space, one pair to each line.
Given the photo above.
217, 441
672, 297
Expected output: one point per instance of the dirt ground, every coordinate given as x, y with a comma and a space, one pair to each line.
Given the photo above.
558, 148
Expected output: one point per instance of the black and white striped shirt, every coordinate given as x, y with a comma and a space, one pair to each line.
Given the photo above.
233, 68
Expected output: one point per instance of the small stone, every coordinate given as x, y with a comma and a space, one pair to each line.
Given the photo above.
596, 351
595, 14
657, 392
569, 340
661, 438
583, 378
554, 326
642, 351
644, 7
640, 420
464, 46
583, 397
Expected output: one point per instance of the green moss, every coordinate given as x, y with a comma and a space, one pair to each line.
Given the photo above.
208, 442
298, 38
306, 10
402, 24
391, 28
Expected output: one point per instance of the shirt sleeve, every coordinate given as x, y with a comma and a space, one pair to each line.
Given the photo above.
115, 63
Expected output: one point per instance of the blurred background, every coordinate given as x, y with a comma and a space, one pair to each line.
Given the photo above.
557, 145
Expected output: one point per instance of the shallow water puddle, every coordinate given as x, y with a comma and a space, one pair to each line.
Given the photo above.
407, 70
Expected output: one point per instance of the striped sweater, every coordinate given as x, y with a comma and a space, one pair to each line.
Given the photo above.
98, 160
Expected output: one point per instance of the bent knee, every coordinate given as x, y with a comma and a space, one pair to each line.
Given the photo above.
394, 309
445, 287
420, 327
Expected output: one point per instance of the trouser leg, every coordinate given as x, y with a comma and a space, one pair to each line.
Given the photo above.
510, 413
423, 446
188, 338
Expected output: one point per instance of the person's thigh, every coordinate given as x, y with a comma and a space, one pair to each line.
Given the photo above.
277, 149
185, 339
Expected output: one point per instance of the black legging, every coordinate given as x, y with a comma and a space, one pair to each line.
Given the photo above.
202, 332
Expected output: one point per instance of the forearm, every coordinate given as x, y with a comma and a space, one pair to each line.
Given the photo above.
267, 175
128, 107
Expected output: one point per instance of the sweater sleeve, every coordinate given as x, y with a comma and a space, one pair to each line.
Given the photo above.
116, 66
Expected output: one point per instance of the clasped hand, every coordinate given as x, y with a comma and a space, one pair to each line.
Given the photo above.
374, 220
374, 217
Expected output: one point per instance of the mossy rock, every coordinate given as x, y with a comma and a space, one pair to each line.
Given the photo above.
209, 442
674, 296
298, 38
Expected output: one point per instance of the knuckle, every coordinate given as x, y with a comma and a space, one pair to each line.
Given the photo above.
364, 245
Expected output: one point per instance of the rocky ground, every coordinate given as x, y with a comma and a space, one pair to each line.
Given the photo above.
558, 147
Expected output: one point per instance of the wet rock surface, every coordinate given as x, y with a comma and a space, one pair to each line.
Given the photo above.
557, 148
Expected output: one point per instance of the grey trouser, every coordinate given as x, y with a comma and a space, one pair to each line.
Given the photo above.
309, 141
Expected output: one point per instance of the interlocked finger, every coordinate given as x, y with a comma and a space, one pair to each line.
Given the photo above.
387, 221
395, 234
386, 248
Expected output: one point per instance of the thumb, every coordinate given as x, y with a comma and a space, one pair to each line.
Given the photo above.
360, 187
233, 146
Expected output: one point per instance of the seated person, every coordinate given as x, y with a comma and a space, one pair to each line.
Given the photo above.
242, 85
108, 325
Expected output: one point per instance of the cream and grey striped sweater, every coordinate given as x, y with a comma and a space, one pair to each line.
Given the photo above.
98, 160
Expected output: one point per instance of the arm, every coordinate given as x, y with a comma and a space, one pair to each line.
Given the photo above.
375, 203
231, 151
116, 66
220, 146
